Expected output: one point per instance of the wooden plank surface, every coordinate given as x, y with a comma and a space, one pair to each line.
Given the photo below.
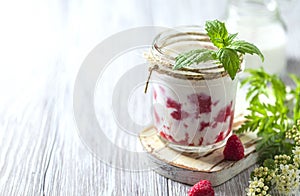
43, 44
188, 168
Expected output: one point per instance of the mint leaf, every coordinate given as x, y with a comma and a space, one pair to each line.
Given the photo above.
230, 60
217, 33
231, 37
194, 56
246, 47
228, 53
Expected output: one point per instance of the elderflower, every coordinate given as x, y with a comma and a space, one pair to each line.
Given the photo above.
294, 133
282, 159
296, 158
281, 173
263, 172
257, 187
287, 179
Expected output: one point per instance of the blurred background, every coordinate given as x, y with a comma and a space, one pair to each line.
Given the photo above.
44, 42
42, 46
40, 36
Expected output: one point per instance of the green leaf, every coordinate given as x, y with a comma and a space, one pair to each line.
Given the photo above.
246, 47
271, 145
217, 33
269, 163
194, 57
279, 89
228, 53
230, 60
269, 120
296, 95
230, 38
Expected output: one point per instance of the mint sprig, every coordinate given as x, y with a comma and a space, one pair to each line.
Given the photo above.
194, 56
228, 53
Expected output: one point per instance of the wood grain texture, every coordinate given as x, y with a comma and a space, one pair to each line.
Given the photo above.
43, 44
188, 168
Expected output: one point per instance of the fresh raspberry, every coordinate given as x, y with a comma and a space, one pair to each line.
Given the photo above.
202, 188
234, 149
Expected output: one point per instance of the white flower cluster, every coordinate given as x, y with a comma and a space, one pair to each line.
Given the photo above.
284, 177
287, 179
287, 175
261, 181
257, 187
296, 159
294, 133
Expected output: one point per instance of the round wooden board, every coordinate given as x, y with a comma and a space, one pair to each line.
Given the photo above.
189, 168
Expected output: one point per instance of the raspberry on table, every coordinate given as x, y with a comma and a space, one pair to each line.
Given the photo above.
202, 188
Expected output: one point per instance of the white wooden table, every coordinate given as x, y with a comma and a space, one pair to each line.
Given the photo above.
42, 46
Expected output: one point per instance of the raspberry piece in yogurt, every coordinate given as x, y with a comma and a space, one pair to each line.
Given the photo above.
202, 101
157, 119
203, 125
167, 136
224, 113
178, 114
173, 104
154, 94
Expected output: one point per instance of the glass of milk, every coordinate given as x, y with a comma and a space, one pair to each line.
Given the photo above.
259, 22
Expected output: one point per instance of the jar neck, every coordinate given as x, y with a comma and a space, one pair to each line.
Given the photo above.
253, 12
167, 45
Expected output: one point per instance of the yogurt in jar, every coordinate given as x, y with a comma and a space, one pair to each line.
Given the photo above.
193, 108
193, 113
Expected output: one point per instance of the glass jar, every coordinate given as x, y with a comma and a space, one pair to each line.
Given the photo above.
259, 22
193, 108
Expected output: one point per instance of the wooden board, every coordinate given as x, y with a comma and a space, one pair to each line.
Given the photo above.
189, 168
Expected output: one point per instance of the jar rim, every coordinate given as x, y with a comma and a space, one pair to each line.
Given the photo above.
168, 44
